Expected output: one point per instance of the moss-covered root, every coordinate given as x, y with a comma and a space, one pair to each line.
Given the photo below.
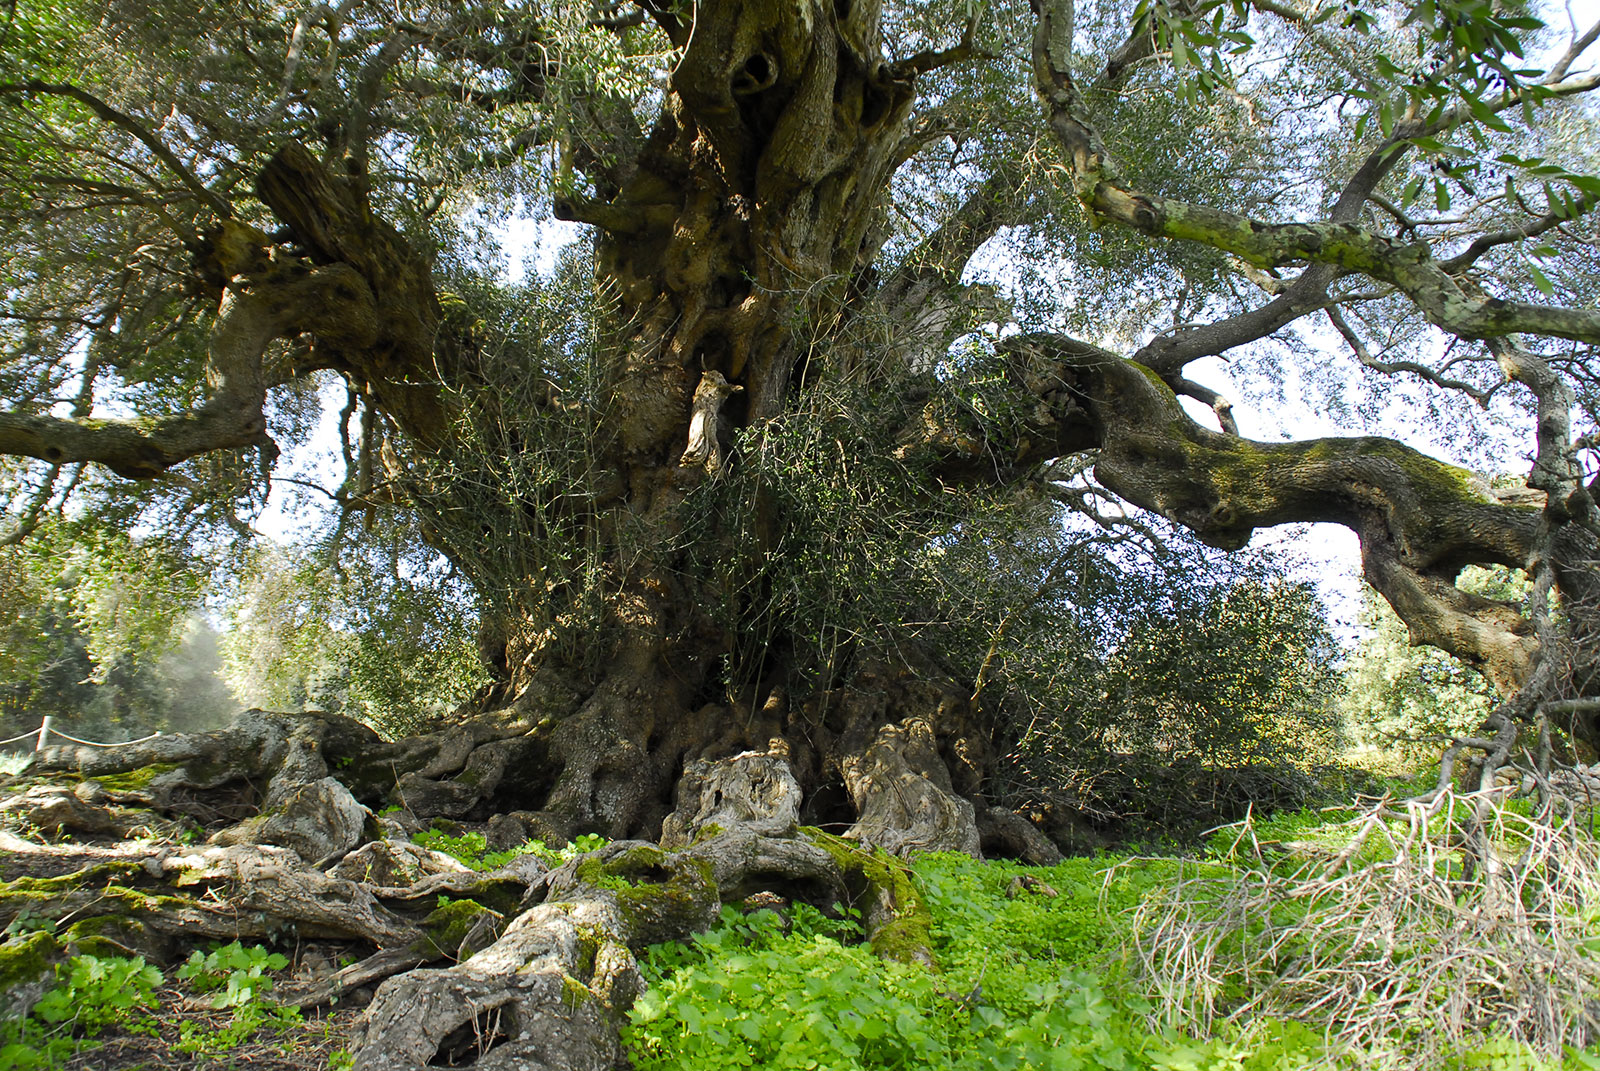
897, 919
117, 888
224, 893
117, 935
551, 989
533, 996
660, 895
27, 966
458, 928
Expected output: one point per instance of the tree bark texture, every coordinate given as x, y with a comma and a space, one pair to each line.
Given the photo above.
733, 243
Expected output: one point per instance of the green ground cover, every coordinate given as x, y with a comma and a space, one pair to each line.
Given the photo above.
1050, 968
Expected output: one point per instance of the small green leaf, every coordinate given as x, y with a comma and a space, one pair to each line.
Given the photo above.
1540, 280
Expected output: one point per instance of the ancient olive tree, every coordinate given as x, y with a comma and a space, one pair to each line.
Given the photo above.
850, 278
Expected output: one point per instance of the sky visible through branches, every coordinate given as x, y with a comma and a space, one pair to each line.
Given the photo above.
1289, 407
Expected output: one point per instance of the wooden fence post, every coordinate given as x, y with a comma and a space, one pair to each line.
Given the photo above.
44, 733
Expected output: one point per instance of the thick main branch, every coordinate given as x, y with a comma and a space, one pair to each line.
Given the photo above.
263, 300
1420, 520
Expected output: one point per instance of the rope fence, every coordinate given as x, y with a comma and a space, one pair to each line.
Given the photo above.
41, 737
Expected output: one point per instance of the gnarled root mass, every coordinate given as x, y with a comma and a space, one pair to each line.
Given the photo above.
529, 964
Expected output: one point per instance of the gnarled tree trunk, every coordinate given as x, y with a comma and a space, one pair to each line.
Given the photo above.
733, 244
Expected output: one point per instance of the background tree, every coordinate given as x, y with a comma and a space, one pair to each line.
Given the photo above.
394, 650
1406, 700
106, 634
1150, 696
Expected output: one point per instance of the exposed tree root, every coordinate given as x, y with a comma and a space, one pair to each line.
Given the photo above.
385, 963
903, 792
519, 1003
519, 967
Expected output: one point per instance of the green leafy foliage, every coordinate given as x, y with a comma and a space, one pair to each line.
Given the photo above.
90, 994
1017, 985
1199, 45
1090, 653
1167, 694
1229, 674
1034, 969
234, 974
26, 921
237, 977
760, 993
1403, 700
849, 567
103, 631
472, 848
93, 993
976, 922
384, 637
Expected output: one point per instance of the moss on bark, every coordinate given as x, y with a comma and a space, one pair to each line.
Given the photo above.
899, 924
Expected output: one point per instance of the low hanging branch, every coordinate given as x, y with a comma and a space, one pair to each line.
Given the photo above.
1420, 520
262, 302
